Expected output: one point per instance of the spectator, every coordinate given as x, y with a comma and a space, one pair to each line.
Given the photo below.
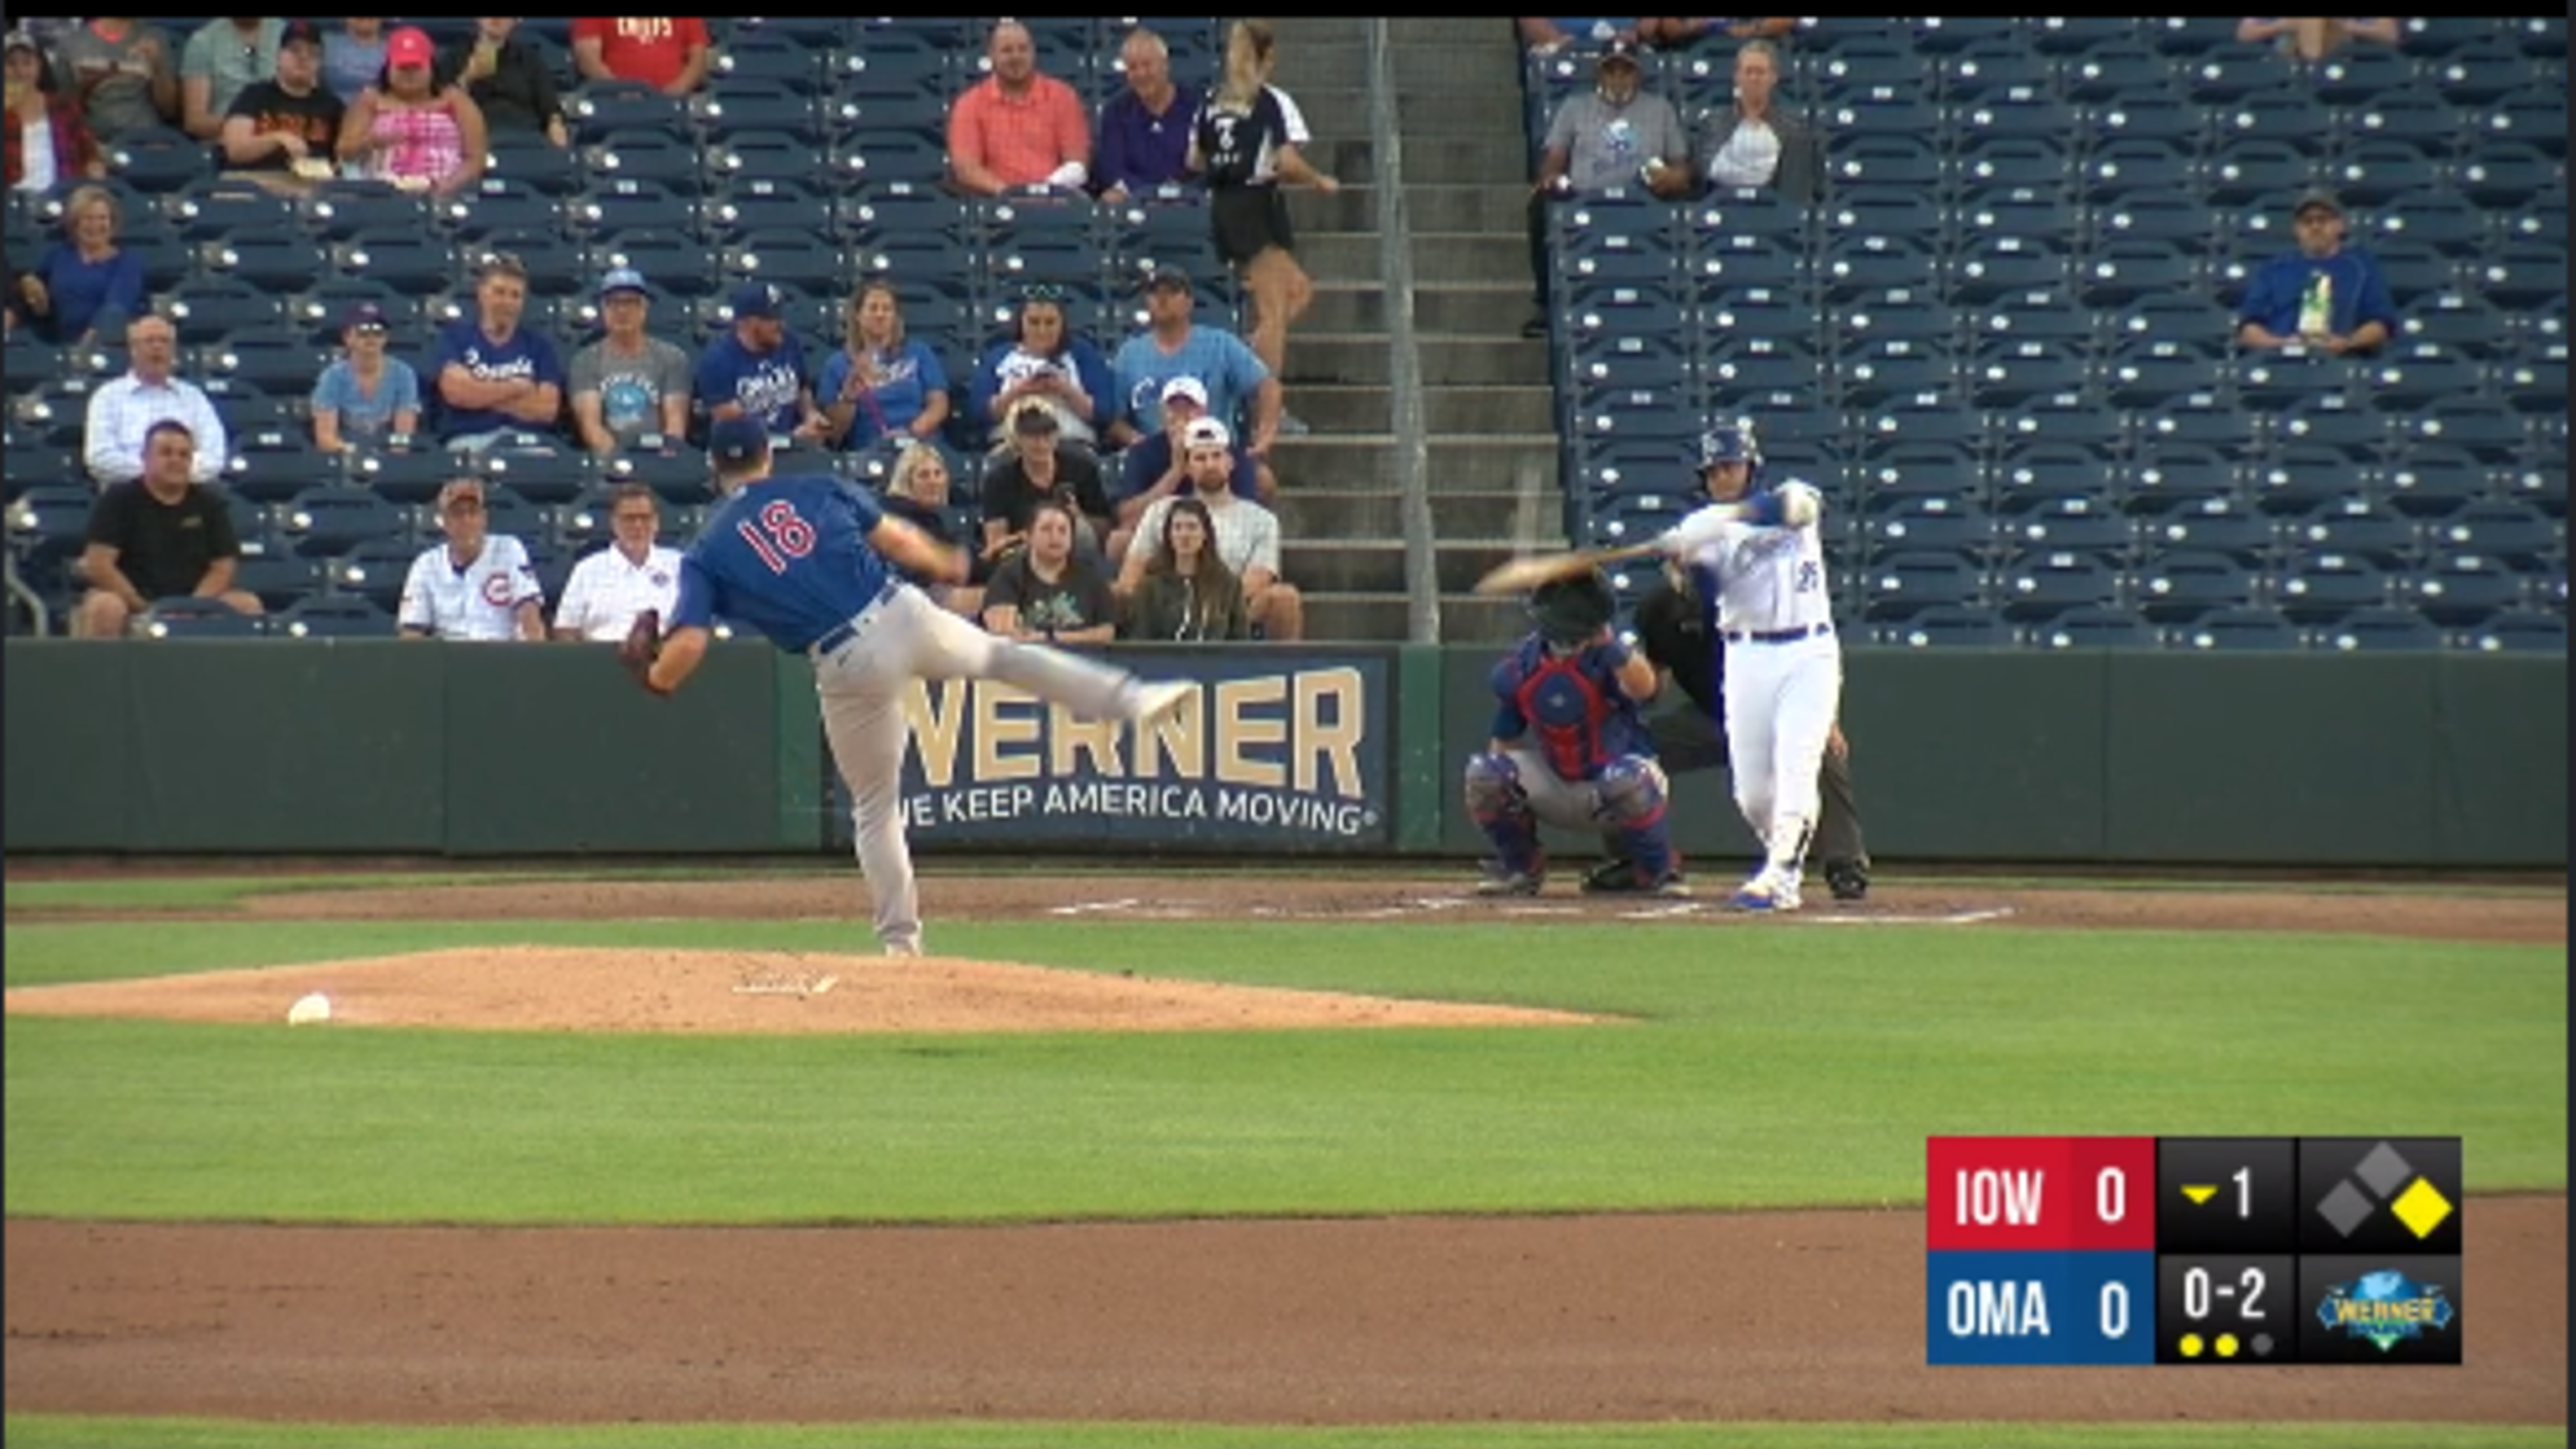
1187, 594
353, 58
1015, 127
1616, 135
2315, 39
290, 123
630, 389
1038, 468
669, 55
1155, 468
223, 57
509, 80
758, 369
157, 536
1174, 345
634, 573
411, 131
495, 377
1145, 128
124, 411
1248, 140
1754, 143
368, 398
1043, 363
123, 73
84, 284
882, 385
476, 585
917, 493
1547, 35
1247, 536
2323, 295
48, 142
1051, 590
1682, 34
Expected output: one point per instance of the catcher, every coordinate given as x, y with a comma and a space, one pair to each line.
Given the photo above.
1569, 747
1673, 631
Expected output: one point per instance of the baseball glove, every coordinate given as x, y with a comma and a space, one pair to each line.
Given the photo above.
643, 645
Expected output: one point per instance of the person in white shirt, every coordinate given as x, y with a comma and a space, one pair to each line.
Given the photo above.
122, 411
1756, 555
477, 585
609, 588
1247, 535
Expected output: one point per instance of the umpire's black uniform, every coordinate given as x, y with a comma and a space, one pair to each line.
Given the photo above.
1693, 736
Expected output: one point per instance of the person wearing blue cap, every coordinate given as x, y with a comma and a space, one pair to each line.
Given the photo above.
368, 398
630, 389
757, 370
809, 562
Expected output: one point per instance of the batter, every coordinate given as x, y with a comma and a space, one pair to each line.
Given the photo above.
805, 561
1759, 566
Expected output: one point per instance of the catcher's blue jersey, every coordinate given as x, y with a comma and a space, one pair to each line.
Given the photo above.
1571, 707
789, 557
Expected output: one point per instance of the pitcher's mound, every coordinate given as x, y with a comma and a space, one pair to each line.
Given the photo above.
580, 988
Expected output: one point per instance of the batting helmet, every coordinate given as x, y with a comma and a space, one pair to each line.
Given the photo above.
1572, 611
1729, 442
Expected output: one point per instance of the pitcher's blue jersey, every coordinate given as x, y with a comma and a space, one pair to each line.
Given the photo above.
1571, 704
789, 557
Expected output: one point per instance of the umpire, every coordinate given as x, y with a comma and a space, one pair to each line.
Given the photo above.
1673, 632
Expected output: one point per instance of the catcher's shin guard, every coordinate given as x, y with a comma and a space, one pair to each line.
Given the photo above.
1501, 808
1634, 801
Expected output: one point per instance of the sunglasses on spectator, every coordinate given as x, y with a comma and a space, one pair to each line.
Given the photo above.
1042, 292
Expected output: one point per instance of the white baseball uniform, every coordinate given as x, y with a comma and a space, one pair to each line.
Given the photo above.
1765, 584
477, 601
608, 589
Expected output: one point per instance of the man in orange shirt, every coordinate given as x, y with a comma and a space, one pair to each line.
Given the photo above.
1017, 128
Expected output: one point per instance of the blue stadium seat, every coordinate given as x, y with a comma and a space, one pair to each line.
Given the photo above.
2002, 64
273, 464
284, 262
768, 59
1946, 626
2358, 74
279, 580
678, 479
2485, 427
2457, 321
279, 365
2227, 75
2300, 475
2254, 627
215, 308
601, 108
1988, 209
2292, 115
157, 159
2121, 272
1972, 124
674, 265
25, 465
1898, 585
2543, 37
2440, 35
528, 158
1992, 266
2174, 473
2519, 275
2102, 70
1859, 66
2535, 384
2161, 115
2165, 217
2180, 584
337, 616
2005, 374
2076, 420
814, 33
50, 521
1628, 359
1892, 158
2515, 630
2360, 528
2089, 522
2536, 115
670, 159
218, 208
1788, 317
802, 260
2151, 371
407, 478
2048, 466
2272, 380
1872, 373
1927, 521
2446, 221
2506, 529
2048, 318
2081, 35
1859, 264
185, 616
2040, 583
620, 207
1742, 261
409, 263
498, 204
906, 209
2255, 172
2418, 374
1882, 210
761, 203
2213, 525
339, 210
321, 522
2418, 116
1952, 35
2460, 589
1908, 421
772, 156
2430, 479
1948, 471
2335, 421
890, 156
2314, 587
2092, 626
1758, 211
2377, 628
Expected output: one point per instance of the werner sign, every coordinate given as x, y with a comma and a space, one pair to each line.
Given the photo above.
1281, 748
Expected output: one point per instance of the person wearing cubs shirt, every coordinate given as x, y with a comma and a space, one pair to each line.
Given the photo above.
476, 586
1568, 746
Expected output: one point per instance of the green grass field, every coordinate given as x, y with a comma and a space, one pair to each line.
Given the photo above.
1750, 1068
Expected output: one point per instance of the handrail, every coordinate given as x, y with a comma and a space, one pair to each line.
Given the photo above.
1404, 359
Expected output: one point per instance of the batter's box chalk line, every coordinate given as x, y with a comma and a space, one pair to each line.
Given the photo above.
1953, 918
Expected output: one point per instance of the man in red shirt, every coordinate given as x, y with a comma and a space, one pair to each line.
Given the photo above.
669, 55
1017, 128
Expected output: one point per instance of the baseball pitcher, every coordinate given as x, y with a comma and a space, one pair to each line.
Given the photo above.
1759, 567
1568, 746
808, 561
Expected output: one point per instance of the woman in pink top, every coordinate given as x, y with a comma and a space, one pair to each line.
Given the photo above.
411, 131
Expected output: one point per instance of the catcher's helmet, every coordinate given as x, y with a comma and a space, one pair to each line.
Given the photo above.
1572, 611
1727, 443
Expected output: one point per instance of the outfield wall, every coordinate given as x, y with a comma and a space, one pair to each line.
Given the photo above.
314, 747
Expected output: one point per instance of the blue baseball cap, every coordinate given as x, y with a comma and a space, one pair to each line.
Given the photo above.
623, 279
756, 299
738, 439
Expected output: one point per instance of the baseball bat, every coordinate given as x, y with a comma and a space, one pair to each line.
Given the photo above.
1523, 574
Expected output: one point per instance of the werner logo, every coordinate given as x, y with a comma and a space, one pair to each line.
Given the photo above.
1298, 754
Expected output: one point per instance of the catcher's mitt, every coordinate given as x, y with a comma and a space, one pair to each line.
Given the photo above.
643, 645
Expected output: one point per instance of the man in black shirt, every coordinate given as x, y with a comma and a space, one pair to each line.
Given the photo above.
1672, 632
158, 537
1038, 468
288, 124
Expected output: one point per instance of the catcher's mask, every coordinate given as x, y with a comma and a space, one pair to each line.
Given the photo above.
1572, 611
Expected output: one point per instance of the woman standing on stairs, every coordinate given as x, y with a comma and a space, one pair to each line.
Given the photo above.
1246, 141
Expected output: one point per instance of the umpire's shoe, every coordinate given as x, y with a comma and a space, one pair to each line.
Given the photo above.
1849, 879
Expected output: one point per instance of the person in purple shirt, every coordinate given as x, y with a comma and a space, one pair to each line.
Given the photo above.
494, 377
1145, 128
809, 562
757, 370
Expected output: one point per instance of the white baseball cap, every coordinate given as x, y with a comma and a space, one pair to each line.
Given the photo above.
1188, 387
1206, 433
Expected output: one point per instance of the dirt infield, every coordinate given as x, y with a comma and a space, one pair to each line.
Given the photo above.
1761, 1316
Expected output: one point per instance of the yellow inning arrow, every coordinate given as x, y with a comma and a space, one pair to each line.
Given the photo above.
2200, 1195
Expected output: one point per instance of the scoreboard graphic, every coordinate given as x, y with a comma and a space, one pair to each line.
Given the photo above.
2193, 1250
